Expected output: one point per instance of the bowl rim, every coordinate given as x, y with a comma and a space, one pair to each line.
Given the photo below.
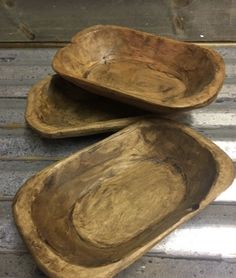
52, 263
202, 98
50, 131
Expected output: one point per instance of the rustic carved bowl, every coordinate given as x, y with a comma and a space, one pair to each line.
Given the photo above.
57, 108
148, 71
97, 211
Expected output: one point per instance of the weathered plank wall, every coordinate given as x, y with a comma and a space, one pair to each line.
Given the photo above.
58, 20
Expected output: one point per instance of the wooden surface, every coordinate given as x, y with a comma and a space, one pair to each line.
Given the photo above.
194, 250
57, 20
57, 108
147, 71
104, 207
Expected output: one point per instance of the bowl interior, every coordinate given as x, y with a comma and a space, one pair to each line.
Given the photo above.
139, 64
61, 104
111, 200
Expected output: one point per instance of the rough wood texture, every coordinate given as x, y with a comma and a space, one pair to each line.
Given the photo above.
219, 114
150, 72
57, 108
110, 176
21, 68
23, 144
57, 20
15, 173
24, 154
202, 237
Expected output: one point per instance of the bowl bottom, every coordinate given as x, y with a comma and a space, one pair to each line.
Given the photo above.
128, 202
138, 78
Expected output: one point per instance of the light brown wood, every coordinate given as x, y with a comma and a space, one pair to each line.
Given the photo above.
57, 108
151, 72
97, 211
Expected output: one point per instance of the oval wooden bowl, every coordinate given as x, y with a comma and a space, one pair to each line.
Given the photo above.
97, 211
148, 71
57, 108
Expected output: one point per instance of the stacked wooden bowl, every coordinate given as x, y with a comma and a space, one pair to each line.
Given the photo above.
97, 211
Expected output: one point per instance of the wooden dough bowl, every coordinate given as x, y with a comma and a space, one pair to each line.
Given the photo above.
57, 108
97, 211
151, 72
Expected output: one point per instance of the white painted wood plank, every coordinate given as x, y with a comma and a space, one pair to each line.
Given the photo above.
209, 235
23, 266
24, 143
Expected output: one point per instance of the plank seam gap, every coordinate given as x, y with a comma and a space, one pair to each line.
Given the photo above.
147, 255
